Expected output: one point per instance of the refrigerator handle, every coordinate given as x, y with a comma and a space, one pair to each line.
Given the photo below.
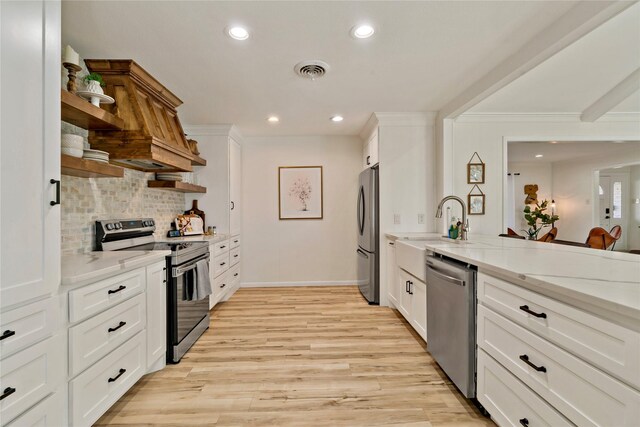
360, 251
361, 210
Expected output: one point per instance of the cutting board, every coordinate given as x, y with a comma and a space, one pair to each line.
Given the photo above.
195, 211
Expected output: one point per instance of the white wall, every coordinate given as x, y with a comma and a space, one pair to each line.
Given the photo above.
634, 212
299, 252
487, 134
539, 173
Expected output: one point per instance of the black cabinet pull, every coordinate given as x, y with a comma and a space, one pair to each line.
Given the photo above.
406, 286
410, 291
233, 205
368, 162
524, 422
236, 256
222, 263
235, 241
526, 360
223, 246
7, 334
235, 275
120, 325
7, 392
115, 291
120, 372
533, 313
223, 285
57, 200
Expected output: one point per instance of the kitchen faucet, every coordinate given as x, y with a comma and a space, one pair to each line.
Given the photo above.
465, 224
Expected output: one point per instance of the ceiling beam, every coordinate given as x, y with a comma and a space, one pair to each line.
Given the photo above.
574, 24
615, 96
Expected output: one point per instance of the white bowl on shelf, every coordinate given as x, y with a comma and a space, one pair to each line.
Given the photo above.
73, 152
72, 141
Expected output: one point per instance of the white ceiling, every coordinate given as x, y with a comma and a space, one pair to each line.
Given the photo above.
422, 55
579, 75
563, 150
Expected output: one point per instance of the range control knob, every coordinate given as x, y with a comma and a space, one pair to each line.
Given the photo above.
152, 223
146, 223
109, 226
118, 226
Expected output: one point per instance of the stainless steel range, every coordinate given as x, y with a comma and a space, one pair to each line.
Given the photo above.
186, 319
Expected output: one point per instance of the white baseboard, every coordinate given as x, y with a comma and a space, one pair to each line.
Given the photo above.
288, 284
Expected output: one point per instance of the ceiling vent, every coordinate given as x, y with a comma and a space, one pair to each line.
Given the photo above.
313, 69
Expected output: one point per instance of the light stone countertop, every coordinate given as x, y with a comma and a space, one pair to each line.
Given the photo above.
82, 269
199, 238
606, 282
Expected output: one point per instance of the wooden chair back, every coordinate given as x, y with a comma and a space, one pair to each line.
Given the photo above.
550, 236
599, 238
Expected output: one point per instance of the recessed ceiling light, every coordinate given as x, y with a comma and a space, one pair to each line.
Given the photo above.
337, 119
538, 155
238, 33
362, 31
553, 142
273, 119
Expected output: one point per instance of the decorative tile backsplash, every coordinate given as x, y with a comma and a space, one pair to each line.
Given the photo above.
85, 200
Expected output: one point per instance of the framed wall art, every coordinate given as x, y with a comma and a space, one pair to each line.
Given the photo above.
300, 192
475, 170
475, 201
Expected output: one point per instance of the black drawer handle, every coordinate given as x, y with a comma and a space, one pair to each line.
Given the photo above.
525, 359
222, 263
533, 313
235, 241
57, 200
115, 291
7, 392
368, 162
222, 247
120, 325
235, 275
7, 334
410, 288
524, 422
406, 286
223, 285
120, 373
236, 256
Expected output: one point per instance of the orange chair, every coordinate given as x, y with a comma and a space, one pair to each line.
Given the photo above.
616, 232
550, 236
511, 234
599, 238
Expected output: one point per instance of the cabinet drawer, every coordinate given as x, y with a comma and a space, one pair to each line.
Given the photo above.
33, 373
608, 346
509, 401
582, 393
100, 386
220, 264
94, 338
92, 299
234, 256
27, 325
234, 242
234, 274
48, 413
220, 248
221, 283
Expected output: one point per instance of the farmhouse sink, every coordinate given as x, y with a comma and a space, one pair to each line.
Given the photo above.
410, 256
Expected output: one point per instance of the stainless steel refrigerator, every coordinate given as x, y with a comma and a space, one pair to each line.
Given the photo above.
368, 236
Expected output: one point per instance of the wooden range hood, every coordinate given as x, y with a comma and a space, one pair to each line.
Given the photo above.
152, 139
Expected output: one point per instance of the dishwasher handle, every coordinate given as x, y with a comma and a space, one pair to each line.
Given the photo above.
443, 276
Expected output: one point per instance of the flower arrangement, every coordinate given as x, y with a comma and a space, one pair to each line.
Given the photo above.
301, 189
537, 214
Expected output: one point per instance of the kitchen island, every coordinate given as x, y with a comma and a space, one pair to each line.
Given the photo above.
557, 329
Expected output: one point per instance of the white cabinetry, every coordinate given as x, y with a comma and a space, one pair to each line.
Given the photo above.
568, 359
235, 187
33, 362
370, 151
30, 151
392, 273
224, 271
413, 302
156, 316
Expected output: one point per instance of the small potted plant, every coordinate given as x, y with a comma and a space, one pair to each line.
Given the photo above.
94, 83
537, 214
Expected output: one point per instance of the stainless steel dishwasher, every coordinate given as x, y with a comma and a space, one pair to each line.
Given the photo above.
451, 319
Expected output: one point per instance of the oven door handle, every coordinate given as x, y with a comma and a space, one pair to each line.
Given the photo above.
179, 271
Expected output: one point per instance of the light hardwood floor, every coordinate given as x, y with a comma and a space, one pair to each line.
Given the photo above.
304, 356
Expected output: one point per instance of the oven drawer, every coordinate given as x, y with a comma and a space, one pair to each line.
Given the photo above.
27, 325
30, 375
100, 386
605, 344
509, 401
92, 299
234, 256
220, 248
220, 264
94, 338
566, 382
47, 413
234, 242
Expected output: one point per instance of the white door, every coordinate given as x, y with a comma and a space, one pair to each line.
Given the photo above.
156, 312
614, 205
30, 150
235, 186
604, 207
419, 307
392, 274
404, 298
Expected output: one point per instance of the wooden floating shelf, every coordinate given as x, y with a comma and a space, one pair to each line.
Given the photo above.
198, 161
83, 168
182, 187
81, 113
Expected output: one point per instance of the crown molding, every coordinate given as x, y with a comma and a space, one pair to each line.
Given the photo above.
396, 119
543, 117
217, 130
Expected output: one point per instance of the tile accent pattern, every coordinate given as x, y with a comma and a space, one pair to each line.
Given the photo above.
85, 200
